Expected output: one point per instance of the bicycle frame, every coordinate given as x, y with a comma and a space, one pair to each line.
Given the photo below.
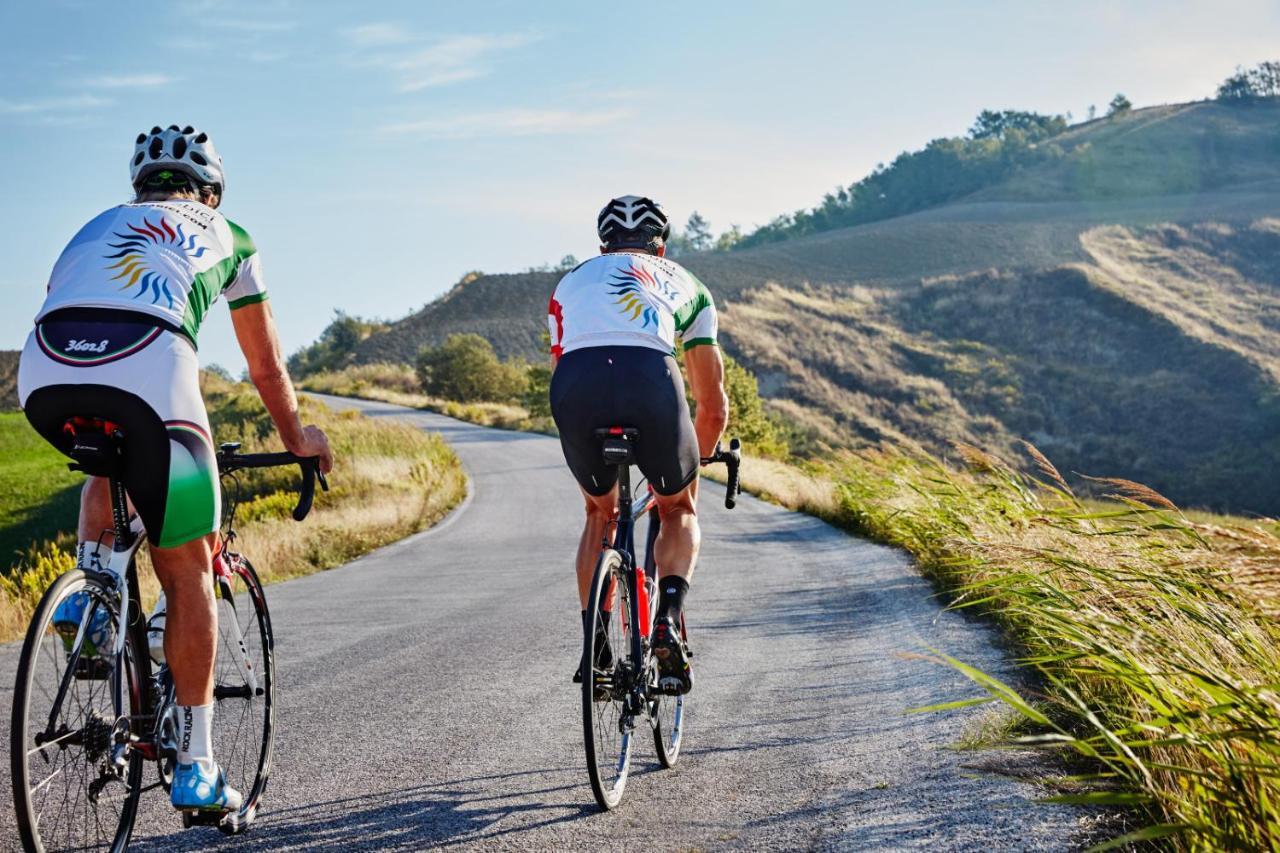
641, 579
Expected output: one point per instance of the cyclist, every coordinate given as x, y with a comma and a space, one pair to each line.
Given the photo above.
116, 340
615, 321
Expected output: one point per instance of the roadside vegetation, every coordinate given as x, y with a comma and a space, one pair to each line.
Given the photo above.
390, 480
1153, 632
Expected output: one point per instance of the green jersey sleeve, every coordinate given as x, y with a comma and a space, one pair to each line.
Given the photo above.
245, 286
696, 321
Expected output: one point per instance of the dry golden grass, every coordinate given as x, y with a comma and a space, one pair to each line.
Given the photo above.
1154, 634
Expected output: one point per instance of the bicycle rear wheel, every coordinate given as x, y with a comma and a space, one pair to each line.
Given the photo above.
608, 725
244, 688
68, 793
668, 720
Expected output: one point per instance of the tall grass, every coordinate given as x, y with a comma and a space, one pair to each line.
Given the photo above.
389, 480
1153, 634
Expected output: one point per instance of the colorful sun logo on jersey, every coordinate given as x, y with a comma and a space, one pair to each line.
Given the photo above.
632, 284
145, 254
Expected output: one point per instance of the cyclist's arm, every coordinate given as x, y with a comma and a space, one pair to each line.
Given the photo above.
256, 333
706, 380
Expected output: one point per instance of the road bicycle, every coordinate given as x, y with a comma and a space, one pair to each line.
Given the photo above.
623, 693
91, 711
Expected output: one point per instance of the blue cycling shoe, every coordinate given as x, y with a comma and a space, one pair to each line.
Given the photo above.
67, 618
196, 789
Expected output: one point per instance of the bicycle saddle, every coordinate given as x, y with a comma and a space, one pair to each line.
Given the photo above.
616, 444
96, 445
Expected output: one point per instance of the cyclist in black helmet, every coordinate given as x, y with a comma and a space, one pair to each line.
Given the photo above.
615, 322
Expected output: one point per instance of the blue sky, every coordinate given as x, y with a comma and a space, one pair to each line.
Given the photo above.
377, 152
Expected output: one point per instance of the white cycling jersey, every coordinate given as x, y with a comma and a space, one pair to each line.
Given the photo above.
169, 259
630, 299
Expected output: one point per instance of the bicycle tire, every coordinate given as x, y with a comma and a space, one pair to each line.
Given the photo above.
43, 650
669, 721
244, 714
606, 734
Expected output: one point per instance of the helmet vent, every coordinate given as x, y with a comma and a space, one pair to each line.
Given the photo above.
137, 161
202, 139
174, 127
198, 159
156, 147
142, 137
155, 130
179, 147
188, 129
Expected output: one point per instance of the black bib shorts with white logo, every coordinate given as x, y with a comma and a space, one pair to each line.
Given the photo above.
626, 386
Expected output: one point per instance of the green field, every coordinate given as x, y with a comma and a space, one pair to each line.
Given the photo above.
38, 495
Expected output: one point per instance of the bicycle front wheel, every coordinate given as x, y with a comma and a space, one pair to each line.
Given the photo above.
244, 687
608, 725
68, 791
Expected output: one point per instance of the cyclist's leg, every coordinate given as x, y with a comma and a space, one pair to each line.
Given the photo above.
601, 509
191, 619
95, 512
679, 537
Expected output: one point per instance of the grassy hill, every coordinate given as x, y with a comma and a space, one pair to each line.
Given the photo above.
1116, 304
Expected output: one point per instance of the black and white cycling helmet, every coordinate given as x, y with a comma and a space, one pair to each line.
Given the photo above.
184, 150
633, 222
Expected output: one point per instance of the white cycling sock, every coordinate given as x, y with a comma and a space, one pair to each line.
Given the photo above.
195, 735
88, 556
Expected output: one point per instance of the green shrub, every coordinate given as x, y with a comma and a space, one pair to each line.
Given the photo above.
466, 369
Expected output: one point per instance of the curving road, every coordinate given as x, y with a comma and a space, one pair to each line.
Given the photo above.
426, 699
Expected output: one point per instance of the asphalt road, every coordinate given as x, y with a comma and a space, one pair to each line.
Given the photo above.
426, 702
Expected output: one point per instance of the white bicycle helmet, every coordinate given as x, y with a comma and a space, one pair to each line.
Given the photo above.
633, 222
184, 150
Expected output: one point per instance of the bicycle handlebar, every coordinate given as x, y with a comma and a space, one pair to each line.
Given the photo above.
229, 461
732, 458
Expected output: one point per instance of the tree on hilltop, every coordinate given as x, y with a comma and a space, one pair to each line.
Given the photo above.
697, 232
1261, 81
998, 124
1119, 105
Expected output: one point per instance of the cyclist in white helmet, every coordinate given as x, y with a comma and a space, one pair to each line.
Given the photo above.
615, 322
116, 340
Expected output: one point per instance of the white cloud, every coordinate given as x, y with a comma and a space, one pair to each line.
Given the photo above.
45, 106
130, 81
377, 35
420, 63
506, 123
440, 78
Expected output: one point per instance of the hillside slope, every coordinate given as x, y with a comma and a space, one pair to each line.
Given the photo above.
1118, 306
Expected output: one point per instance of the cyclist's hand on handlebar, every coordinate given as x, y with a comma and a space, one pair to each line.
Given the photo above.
314, 443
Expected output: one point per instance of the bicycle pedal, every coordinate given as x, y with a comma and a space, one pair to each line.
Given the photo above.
196, 817
92, 669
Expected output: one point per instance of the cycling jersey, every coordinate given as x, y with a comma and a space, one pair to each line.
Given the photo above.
630, 299
167, 259
115, 339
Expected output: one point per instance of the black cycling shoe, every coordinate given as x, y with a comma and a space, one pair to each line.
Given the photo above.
604, 658
674, 675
